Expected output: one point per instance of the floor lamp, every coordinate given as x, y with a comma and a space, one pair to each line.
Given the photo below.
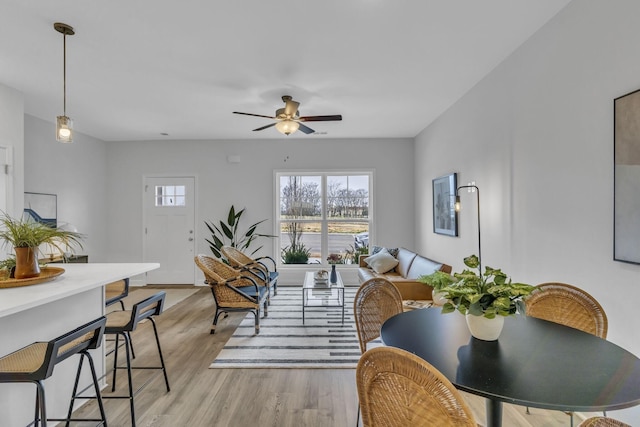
477, 191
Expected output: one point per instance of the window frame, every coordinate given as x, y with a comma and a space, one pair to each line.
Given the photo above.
323, 219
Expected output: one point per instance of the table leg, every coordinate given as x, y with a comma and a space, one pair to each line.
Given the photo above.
342, 306
303, 304
494, 413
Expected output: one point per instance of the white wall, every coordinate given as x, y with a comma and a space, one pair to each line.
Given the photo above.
76, 173
249, 184
537, 137
12, 137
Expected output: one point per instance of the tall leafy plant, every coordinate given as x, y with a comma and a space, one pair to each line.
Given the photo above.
227, 233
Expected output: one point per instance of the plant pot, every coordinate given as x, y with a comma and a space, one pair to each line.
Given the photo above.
26, 263
438, 297
483, 328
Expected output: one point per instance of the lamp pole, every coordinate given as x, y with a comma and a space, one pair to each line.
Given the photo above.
477, 190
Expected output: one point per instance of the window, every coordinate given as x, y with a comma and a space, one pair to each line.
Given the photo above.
321, 214
170, 195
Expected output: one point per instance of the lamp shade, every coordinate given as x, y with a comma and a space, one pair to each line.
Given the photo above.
64, 129
287, 126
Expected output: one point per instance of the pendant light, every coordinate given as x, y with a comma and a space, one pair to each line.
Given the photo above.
64, 124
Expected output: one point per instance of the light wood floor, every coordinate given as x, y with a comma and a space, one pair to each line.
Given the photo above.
245, 397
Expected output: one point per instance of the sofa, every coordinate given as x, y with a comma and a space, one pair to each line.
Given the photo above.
404, 274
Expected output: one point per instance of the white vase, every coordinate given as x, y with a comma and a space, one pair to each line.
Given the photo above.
438, 298
483, 328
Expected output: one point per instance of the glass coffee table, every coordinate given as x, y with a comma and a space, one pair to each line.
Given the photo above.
322, 295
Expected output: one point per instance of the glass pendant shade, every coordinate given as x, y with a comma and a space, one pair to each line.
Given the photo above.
287, 126
64, 129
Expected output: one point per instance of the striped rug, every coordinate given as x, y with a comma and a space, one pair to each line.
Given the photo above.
284, 342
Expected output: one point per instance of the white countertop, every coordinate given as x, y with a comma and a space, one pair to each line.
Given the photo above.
77, 278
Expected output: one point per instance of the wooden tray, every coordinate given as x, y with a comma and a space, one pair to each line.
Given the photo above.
46, 274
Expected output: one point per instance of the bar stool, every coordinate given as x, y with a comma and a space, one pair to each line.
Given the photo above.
35, 362
121, 324
116, 292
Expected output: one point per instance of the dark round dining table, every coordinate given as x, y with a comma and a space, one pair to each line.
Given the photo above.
533, 363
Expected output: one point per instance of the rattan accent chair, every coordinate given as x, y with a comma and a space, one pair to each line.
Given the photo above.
116, 292
121, 324
602, 422
233, 290
398, 389
569, 306
257, 266
35, 363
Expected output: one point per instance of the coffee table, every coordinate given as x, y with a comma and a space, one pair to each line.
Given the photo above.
329, 295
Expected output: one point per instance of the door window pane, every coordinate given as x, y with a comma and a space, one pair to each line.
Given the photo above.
170, 195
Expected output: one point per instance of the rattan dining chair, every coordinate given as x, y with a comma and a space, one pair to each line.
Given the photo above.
375, 301
258, 266
233, 290
602, 422
570, 306
399, 389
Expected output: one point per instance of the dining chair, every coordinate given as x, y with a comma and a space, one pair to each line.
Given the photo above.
375, 301
257, 266
233, 290
399, 389
602, 422
570, 306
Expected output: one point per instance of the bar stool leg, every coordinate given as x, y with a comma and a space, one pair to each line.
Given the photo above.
96, 387
40, 405
164, 370
129, 376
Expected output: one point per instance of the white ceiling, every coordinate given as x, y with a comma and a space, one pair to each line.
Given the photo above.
138, 68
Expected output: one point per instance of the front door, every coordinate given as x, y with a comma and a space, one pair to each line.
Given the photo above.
169, 218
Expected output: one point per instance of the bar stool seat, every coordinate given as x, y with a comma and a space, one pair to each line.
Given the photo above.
35, 363
121, 324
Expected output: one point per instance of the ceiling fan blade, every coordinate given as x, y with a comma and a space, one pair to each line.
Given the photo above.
291, 108
254, 115
336, 117
265, 127
305, 129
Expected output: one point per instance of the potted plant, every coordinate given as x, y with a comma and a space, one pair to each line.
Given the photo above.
26, 235
295, 254
227, 234
484, 298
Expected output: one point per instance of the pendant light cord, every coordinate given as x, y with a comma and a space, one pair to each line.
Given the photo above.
64, 74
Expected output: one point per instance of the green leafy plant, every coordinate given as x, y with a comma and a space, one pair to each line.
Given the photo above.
437, 280
27, 233
489, 294
227, 234
295, 254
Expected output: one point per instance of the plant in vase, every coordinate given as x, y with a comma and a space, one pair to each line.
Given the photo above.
484, 298
26, 235
334, 259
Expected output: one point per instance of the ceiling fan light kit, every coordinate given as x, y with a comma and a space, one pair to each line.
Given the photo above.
289, 120
64, 124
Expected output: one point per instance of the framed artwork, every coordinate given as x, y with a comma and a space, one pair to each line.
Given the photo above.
445, 217
626, 164
42, 208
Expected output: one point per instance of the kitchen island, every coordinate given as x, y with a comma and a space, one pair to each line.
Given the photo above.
44, 311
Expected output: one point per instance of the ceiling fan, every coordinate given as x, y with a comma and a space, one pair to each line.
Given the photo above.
289, 120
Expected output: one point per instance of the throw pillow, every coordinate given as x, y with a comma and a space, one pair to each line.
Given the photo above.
381, 262
392, 251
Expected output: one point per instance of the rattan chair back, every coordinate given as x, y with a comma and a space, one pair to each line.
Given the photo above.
222, 278
376, 300
236, 257
262, 269
397, 389
602, 422
569, 306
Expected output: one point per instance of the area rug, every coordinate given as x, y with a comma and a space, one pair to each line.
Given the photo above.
284, 342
